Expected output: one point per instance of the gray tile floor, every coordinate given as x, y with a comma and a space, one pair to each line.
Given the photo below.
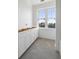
42, 49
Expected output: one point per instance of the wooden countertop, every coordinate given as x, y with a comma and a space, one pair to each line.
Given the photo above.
25, 29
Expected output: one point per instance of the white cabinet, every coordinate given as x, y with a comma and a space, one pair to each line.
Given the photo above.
48, 33
26, 38
20, 43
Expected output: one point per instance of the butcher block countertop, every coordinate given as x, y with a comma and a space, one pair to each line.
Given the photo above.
25, 29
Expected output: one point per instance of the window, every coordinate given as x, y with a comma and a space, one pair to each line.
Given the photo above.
41, 17
46, 17
51, 18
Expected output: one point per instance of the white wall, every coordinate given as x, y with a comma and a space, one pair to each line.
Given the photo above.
47, 33
24, 13
58, 25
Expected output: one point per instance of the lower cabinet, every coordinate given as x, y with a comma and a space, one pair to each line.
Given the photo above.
25, 39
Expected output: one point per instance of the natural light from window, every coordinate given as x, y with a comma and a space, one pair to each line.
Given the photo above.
48, 20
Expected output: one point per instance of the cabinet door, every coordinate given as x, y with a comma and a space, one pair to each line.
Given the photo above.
26, 39
36, 33
21, 43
